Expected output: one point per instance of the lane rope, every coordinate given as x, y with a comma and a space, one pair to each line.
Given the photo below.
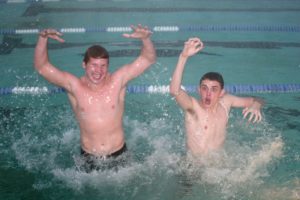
162, 89
186, 28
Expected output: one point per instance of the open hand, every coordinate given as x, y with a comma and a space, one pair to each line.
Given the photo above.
52, 33
139, 32
192, 46
255, 114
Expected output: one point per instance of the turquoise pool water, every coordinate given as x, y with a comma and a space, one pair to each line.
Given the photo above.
249, 42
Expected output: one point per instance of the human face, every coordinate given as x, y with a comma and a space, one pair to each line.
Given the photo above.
96, 69
210, 92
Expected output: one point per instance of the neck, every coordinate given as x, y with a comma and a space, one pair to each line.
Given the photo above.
211, 109
95, 86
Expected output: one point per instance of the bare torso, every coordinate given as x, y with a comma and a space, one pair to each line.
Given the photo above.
97, 98
99, 113
206, 131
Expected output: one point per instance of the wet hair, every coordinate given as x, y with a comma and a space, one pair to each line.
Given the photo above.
95, 51
213, 76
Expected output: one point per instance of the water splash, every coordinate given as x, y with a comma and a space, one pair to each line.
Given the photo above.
159, 165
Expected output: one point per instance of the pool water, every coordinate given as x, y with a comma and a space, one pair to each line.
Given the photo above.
249, 42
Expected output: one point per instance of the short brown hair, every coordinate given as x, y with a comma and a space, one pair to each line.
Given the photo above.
95, 51
213, 76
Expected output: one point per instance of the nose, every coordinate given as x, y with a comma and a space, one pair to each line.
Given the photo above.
97, 69
208, 93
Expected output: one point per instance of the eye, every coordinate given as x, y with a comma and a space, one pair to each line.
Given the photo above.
204, 88
93, 65
215, 89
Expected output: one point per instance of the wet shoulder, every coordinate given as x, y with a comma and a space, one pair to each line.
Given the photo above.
225, 103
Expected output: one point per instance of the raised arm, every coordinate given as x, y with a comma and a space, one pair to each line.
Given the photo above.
191, 47
146, 58
42, 64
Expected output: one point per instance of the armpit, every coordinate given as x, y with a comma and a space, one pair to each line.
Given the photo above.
191, 113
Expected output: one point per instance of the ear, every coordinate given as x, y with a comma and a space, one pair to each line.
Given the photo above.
83, 65
198, 90
222, 92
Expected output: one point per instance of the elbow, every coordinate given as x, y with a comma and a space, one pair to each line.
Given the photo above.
151, 56
173, 91
152, 59
38, 63
173, 94
38, 67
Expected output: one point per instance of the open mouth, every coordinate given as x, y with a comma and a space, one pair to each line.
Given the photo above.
207, 101
96, 76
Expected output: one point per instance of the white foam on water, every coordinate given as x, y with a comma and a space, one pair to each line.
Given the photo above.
241, 166
288, 191
42, 151
238, 168
161, 161
70, 136
258, 160
79, 180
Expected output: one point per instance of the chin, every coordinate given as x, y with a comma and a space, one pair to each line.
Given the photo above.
96, 82
206, 105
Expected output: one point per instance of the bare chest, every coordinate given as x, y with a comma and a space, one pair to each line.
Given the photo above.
207, 123
104, 102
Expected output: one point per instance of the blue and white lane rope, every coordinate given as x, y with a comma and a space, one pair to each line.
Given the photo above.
162, 89
186, 28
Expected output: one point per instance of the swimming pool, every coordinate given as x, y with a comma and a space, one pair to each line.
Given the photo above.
254, 44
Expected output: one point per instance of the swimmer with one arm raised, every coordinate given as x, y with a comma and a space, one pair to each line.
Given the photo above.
206, 118
97, 98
